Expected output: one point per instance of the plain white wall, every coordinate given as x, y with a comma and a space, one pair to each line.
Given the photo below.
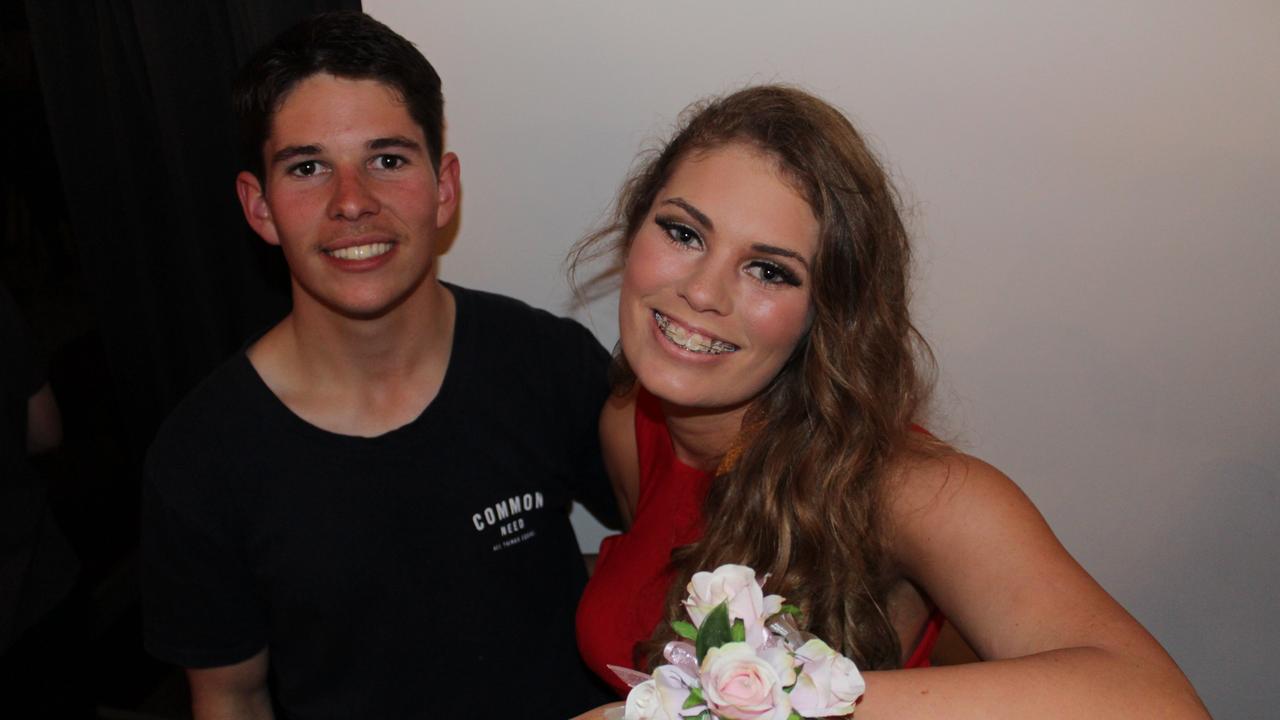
1094, 191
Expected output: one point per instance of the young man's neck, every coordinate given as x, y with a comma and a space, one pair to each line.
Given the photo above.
360, 376
395, 343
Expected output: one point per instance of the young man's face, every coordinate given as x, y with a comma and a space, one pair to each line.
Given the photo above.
350, 195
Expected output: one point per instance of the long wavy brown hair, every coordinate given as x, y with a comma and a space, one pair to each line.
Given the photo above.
803, 501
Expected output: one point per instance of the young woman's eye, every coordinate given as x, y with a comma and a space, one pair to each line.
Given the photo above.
772, 274
388, 162
679, 233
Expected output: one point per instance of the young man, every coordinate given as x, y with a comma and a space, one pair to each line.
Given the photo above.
364, 513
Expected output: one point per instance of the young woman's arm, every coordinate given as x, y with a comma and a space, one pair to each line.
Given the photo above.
618, 445
1055, 644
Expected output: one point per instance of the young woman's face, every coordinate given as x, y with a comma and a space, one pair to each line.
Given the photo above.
715, 293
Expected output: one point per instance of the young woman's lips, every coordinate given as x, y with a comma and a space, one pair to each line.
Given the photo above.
690, 340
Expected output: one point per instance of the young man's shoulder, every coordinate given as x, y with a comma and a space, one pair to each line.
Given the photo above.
522, 328
531, 361
492, 306
224, 406
228, 387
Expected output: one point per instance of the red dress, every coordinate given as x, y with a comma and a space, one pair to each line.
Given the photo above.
623, 600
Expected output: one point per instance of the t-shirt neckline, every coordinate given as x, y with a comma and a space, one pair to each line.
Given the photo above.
291, 420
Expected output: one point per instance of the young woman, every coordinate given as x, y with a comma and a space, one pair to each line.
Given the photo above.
766, 389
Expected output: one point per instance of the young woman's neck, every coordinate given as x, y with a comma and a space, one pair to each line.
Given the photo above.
701, 437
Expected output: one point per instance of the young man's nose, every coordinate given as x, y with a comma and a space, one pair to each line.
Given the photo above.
352, 198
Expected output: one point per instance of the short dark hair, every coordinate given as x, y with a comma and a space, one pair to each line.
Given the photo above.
346, 44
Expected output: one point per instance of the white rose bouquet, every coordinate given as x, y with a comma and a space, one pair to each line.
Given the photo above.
745, 660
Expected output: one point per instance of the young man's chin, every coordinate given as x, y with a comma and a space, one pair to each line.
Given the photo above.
365, 309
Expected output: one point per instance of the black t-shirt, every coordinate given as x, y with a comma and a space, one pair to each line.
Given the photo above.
428, 572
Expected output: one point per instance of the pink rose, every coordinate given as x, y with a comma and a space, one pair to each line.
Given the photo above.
829, 683
736, 586
740, 685
659, 698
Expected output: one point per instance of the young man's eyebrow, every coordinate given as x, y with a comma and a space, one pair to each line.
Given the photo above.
689, 208
395, 141
288, 153
293, 151
783, 252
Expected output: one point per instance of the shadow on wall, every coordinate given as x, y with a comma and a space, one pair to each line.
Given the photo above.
1162, 477
1226, 529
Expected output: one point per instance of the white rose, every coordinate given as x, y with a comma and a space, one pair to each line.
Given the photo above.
829, 683
736, 586
660, 698
643, 702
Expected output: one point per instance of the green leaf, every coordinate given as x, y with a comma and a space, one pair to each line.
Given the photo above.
694, 699
739, 631
795, 716
714, 631
685, 630
791, 610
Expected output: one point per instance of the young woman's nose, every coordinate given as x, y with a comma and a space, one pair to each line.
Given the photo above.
707, 288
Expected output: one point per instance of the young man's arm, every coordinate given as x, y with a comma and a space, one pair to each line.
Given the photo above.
231, 692
201, 608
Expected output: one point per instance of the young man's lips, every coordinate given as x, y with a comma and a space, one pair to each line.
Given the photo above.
360, 248
691, 339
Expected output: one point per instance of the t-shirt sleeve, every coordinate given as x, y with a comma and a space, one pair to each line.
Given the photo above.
588, 384
200, 605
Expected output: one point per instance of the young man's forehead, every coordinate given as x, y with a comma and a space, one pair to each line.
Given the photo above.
317, 92
336, 112
292, 90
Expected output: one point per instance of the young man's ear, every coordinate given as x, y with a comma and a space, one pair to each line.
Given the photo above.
253, 202
447, 189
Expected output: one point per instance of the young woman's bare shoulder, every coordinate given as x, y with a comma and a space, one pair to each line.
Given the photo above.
977, 546
936, 497
919, 480
618, 444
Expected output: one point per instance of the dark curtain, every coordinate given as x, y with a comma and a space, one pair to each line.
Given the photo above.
136, 93
136, 106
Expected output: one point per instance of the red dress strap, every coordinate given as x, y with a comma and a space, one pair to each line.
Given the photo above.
928, 639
